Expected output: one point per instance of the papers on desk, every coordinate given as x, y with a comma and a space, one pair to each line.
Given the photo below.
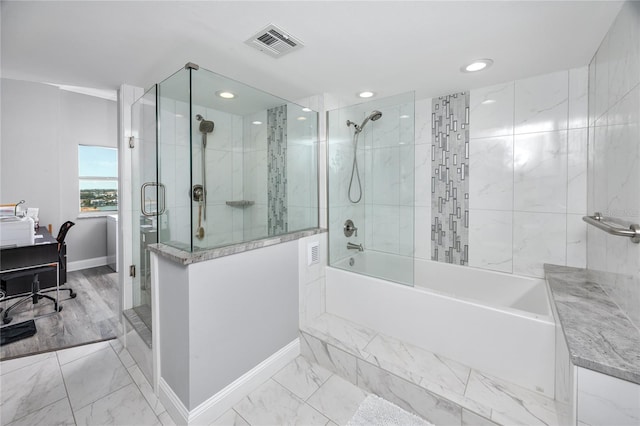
38, 236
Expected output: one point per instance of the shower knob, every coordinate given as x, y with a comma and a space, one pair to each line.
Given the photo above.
350, 228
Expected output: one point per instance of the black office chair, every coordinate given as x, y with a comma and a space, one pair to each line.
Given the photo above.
62, 234
36, 293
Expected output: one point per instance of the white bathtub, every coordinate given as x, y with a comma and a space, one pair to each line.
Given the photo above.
497, 323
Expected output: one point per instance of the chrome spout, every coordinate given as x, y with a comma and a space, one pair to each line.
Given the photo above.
353, 246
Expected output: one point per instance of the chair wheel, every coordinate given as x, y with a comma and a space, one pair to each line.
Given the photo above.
73, 295
7, 320
59, 308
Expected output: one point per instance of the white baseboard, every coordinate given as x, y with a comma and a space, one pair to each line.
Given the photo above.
224, 400
86, 263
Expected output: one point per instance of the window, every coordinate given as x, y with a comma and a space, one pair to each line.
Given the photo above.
98, 178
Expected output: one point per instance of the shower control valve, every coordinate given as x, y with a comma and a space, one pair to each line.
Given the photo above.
349, 228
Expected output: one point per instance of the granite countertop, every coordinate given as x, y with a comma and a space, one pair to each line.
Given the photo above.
186, 257
599, 333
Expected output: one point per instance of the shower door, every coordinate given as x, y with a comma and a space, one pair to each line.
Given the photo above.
146, 198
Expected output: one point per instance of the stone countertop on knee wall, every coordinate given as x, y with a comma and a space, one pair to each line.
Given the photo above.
184, 257
597, 311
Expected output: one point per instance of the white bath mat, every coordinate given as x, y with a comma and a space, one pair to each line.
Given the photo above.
374, 411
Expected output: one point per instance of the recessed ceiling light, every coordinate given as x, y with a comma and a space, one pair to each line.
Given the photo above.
302, 118
256, 122
366, 94
306, 109
477, 65
404, 116
488, 101
225, 94
179, 116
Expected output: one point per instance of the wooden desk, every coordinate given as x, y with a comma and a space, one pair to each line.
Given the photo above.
45, 250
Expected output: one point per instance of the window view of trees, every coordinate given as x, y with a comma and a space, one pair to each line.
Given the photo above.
98, 178
98, 199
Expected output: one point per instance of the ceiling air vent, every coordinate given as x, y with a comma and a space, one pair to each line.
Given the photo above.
274, 41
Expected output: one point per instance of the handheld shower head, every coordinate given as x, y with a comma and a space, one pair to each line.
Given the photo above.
206, 126
374, 116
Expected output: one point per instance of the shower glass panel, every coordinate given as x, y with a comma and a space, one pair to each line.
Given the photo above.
174, 160
237, 164
145, 209
371, 182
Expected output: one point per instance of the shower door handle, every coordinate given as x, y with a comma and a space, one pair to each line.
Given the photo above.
161, 206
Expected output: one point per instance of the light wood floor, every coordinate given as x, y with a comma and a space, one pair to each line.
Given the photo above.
91, 317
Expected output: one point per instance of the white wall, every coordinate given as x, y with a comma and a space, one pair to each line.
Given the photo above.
42, 127
223, 317
614, 153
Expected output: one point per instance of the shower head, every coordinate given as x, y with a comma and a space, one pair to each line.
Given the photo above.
375, 115
206, 126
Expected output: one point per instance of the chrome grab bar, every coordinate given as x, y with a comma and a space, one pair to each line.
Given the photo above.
607, 224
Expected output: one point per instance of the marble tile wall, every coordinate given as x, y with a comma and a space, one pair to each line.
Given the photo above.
528, 176
340, 162
384, 216
527, 173
254, 169
173, 157
614, 153
224, 175
311, 279
302, 166
237, 164
528, 147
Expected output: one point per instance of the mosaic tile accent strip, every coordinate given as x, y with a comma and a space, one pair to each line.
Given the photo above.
277, 170
450, 179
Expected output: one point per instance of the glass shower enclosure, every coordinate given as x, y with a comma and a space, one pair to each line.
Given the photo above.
216, 163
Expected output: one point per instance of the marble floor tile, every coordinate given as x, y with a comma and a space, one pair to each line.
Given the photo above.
16, 363
166, 419
59, 414
30, 388
302, 377
147, 391
337, 399
230, 418
66, 356
123, 353
94, 376
511, 404
272, 404
126, 406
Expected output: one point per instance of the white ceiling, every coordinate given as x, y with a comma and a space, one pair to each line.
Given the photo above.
388, 47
